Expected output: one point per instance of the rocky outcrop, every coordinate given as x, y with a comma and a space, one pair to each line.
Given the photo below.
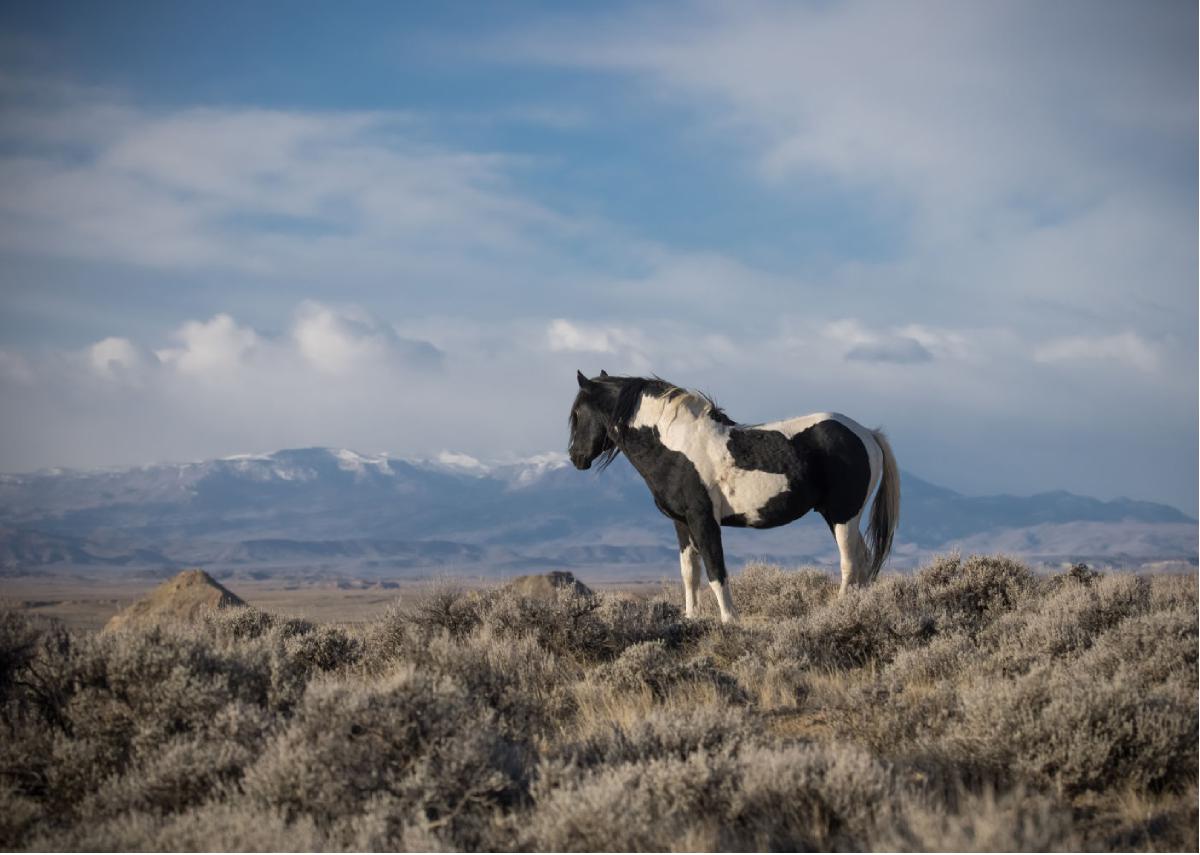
182, 598
543, 585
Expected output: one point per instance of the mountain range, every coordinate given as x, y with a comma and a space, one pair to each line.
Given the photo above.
321, 512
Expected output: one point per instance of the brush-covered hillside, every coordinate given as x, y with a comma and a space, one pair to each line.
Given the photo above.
973, 705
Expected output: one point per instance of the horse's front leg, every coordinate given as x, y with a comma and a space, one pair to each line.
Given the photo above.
689, 566
706, 536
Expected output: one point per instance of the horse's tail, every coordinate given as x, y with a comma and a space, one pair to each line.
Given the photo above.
885, 510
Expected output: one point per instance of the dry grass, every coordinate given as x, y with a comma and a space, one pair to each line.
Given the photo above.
974, 706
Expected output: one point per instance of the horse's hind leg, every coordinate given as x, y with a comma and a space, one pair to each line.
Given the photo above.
853, 553
689, 566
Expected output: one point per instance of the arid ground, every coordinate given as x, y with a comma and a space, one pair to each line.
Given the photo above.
87, 604
973, 705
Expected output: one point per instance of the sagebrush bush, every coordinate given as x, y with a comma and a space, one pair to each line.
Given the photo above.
1063, 621
865, 625
413, 740
523, 685
1063, 729
650, 665
661, 734
1157, 648
769, 591
974, 705
968, 595
799, 798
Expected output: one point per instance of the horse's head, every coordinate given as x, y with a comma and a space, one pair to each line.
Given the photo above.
592, 433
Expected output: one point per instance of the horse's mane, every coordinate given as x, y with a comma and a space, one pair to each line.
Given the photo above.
624, 394
631, 389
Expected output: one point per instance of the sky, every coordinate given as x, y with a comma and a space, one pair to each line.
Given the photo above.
236, 227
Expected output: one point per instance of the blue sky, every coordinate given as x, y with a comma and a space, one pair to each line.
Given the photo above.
237, 227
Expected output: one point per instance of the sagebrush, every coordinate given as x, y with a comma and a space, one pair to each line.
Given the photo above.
974, 705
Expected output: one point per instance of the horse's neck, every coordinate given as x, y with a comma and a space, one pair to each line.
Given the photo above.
678, 424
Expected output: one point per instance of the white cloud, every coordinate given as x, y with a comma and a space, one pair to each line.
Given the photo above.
563, 335
905, 345
269, 192
968, 103
659, 347
627, 345
114, 357
212, 348
337, 342
1017, 155
1126, 349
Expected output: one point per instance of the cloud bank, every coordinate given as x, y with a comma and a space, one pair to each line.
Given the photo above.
1006, 278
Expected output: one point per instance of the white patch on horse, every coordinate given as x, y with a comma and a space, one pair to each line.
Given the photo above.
684, 426
690, 567
853, 551
724, 600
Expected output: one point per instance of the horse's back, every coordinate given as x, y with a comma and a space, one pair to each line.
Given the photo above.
836, 461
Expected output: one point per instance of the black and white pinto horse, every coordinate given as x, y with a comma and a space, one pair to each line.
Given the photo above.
706, 471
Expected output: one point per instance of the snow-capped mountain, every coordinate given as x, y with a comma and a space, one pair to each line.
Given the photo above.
323, 510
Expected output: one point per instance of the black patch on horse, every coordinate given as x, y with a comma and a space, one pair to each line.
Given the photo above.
838, 462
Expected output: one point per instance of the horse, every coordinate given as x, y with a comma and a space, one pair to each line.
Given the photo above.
705, 471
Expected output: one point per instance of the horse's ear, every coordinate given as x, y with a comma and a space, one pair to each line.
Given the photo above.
603, 373
584, 383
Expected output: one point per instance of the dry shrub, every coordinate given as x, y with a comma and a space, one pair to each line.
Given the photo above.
973, 706
222, 826
565, 624
1065, 622
449, 610
1064, 729
662, 804
770, 592
302, 643
415, 742
968, 595
124, 697
526, 687
585, 629
246, 622
1158, 648
154, 719
726, 643
808, 798
184, 771
771, 685
945, 657
662, 734
864, 625
899, 724
650, 665
19, 637
1016, 821
797, 798
1169, 591
21, 814
325, 648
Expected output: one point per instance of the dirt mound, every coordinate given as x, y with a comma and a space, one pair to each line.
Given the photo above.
546, 584
179, 599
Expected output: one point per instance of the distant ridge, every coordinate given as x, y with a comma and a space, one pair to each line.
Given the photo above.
321, 512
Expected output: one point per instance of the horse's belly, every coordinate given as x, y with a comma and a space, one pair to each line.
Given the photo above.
746, 494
